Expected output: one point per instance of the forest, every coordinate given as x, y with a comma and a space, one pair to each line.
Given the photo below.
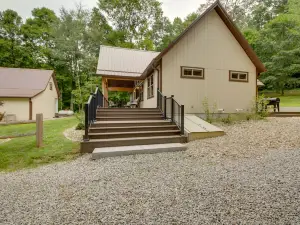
68, 42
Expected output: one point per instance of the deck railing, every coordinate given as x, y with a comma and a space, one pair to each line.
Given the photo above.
171, 110
95, 101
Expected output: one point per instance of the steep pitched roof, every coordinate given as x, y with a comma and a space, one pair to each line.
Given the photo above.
24, 83
115, 61
231, 26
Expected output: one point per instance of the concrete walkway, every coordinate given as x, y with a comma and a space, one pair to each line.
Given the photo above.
289, 109
197, 128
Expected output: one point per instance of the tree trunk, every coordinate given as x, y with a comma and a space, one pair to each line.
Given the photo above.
282, 92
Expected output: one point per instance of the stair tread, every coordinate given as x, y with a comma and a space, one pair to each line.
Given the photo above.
137, 149
134, 132
136, 138
133, 127
158, 116
133, 121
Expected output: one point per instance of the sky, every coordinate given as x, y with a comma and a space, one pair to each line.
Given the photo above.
171, 8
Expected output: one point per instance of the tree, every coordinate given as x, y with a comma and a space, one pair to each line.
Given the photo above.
281, 38
10, 39
134, 19
37, 37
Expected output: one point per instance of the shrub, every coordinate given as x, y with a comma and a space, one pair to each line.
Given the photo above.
227, 120
208, 110
80, 126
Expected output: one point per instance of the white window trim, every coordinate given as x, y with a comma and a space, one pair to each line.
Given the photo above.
150, 86
239, 74
192, 76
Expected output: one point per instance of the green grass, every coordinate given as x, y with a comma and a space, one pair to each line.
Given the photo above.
22, 153
291, 98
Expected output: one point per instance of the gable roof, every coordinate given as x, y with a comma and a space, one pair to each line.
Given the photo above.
231, 26
24, 83
115, 61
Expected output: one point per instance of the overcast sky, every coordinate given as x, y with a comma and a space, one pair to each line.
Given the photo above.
172, 8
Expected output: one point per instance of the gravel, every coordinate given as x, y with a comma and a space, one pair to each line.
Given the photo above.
74, 135
249, 176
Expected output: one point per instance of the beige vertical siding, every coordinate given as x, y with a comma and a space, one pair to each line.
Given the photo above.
45, 102
17, 106
212, 46
152, 102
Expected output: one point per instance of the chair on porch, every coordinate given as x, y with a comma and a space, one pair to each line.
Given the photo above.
135, 103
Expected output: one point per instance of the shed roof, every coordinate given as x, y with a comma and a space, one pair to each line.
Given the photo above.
24, 83
115, 61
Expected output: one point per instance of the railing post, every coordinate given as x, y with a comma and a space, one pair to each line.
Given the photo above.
182, 120
165, 107
86, 122
157, 98
172, 108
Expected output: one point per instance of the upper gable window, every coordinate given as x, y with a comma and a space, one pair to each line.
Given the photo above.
192, 72
238, 76
50, 86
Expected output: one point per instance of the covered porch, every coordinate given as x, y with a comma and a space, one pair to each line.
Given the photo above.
120, 84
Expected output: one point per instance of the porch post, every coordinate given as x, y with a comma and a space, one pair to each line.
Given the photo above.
105, 91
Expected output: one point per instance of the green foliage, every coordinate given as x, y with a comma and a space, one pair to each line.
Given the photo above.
228, 119
209, 110
119, 98
80, 126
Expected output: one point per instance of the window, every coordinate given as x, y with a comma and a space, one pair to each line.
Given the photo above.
192, 72
142, 93
50, 86
150, 93
238, 76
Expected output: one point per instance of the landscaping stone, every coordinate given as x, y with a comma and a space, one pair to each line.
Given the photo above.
249, 176
74, 135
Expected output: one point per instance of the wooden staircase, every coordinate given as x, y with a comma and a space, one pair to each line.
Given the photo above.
116, 127
284, 114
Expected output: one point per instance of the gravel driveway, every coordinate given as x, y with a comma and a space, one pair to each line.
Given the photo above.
234, 179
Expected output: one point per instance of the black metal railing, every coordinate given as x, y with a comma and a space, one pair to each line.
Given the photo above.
95, 101
171, 110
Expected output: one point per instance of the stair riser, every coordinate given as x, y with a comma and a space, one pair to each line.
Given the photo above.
133, 129
129, 118
127, 115
88, 147
133, 135
112, 125
285, 115
127, 110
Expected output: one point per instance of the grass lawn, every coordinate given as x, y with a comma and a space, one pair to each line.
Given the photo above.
291, 98
22, 153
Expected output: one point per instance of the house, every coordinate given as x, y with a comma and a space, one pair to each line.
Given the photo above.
210, 60
27, 92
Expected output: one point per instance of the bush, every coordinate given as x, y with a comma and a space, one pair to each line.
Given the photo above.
80, 126
208, 110
227, 120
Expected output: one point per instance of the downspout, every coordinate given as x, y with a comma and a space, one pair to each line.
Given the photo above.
30, 109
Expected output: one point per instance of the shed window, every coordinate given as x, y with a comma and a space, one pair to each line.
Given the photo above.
50, 86
150, 93
238, 76
192, 72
